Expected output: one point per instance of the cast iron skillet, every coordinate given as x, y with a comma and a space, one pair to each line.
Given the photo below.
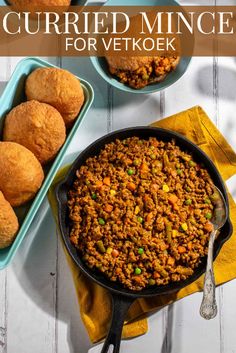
122, 297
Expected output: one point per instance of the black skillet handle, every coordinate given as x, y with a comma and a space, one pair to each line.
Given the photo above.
120, 306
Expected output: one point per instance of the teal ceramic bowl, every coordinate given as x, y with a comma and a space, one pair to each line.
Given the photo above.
12, 96
101, 66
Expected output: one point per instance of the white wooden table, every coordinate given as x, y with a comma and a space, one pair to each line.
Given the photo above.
38, 305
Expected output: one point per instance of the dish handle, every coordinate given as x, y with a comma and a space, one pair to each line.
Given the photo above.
120, 306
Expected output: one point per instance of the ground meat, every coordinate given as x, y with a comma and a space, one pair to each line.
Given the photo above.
140, 212
154, 71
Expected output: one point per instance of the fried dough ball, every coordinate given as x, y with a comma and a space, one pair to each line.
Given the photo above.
126, 63
27, 3
21, 173
8, 223
59, 88
37, 126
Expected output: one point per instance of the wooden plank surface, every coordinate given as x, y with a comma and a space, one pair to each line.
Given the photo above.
31, 284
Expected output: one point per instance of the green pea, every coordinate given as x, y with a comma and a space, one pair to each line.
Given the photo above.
140, 219
188, 202
130, 172
101, 221
179, 171
208, 215
94, 196
153, 156
151, 282
192, 163
138, 271
140, 251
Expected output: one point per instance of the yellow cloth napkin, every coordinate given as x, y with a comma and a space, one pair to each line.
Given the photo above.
94, 301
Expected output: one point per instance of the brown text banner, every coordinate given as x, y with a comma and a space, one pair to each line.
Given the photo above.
123, 31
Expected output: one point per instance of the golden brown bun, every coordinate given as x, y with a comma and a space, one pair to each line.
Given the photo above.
126, 63
27, 3
59, 88
37, 126
8, 223
133, 63
21, 173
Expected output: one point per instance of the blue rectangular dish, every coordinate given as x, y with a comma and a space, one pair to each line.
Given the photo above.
12, 96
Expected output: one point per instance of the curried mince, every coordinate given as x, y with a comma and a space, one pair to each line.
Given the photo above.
140, 212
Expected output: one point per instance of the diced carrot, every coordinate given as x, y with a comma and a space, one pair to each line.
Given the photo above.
144, 167
175, 207
170, 261
107, 181
129, 161
208, 227
108, 208
173, 199
138, 279
181, 249
131, 186
163, 246
99, 184
149, 217
190, 246
74, 240
156, 275
115, 253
